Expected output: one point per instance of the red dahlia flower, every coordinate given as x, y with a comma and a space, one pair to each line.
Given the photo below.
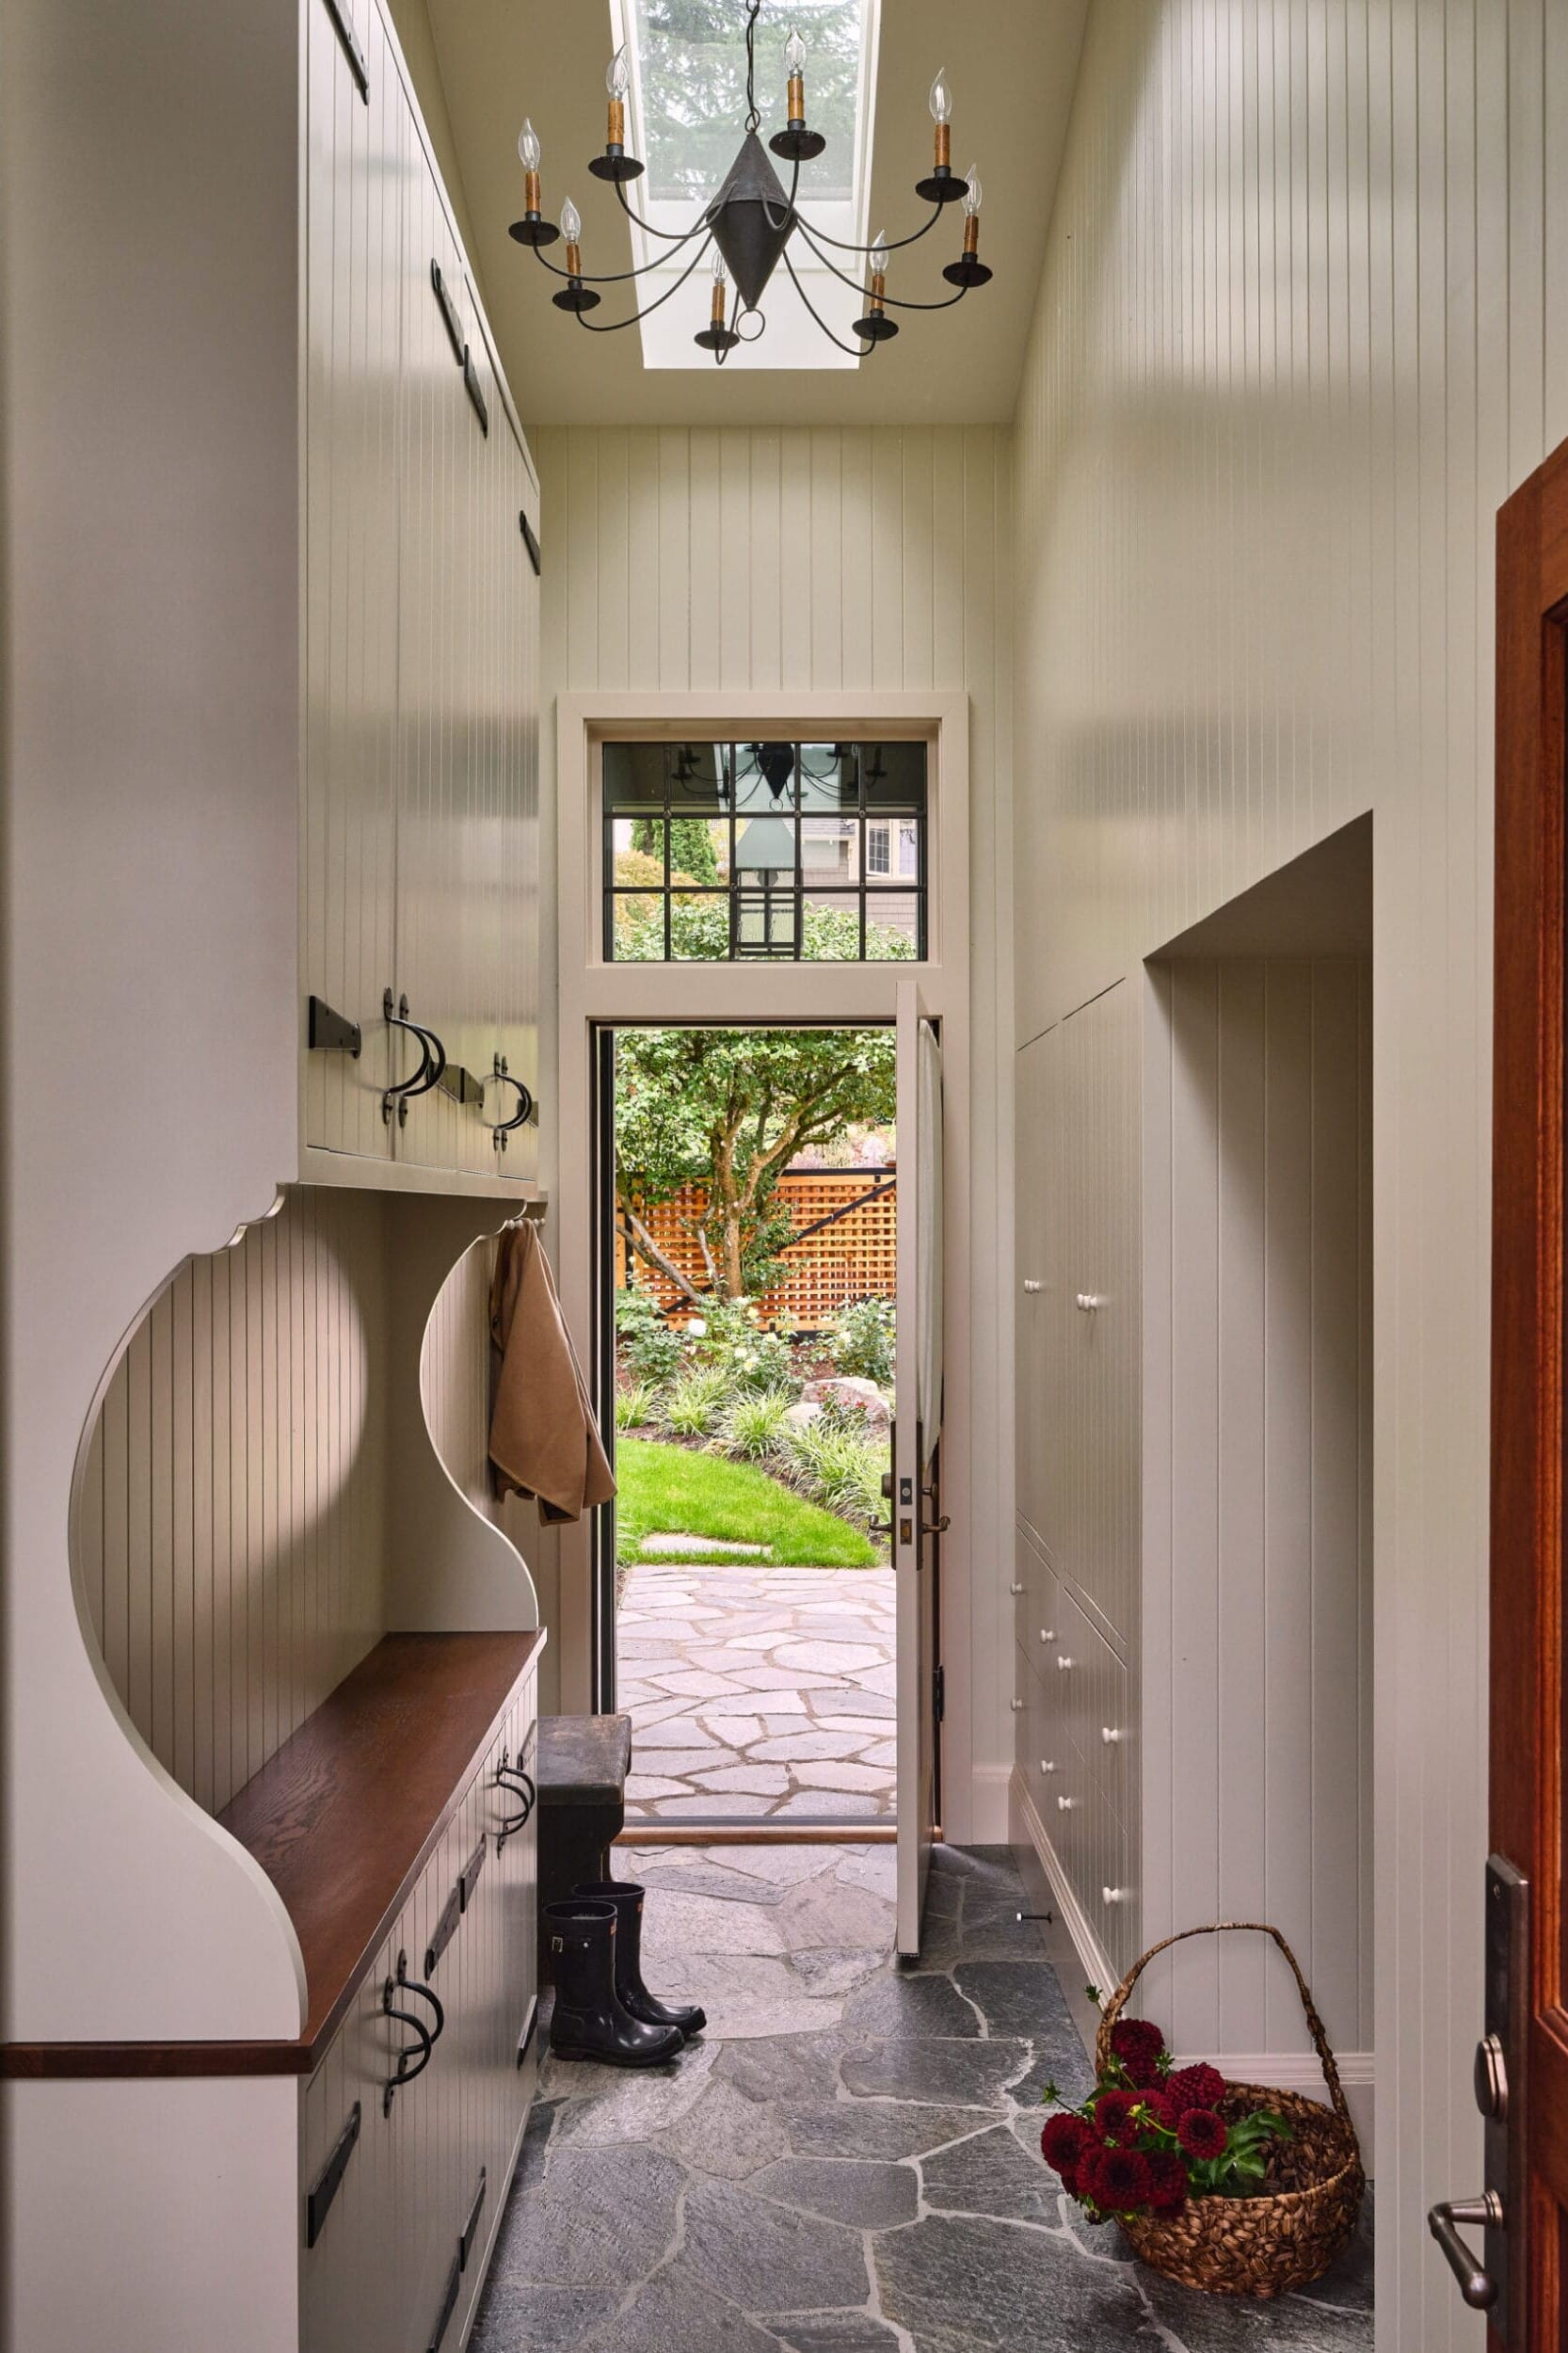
1163, 2109
1167, 2182
1114, 2116
1199, 2086
1140, 2046
1066, 2141
1117, 2179
1203, 2133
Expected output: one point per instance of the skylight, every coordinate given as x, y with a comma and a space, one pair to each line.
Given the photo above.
688, 112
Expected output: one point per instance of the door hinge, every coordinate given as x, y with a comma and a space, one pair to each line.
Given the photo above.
939, 1694
530, 541
349, 39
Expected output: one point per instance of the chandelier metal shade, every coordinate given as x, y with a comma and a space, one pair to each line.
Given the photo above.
749, 227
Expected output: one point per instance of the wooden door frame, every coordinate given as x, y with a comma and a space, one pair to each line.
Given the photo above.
1527, 1518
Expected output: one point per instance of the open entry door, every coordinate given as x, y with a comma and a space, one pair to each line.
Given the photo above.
916, 1519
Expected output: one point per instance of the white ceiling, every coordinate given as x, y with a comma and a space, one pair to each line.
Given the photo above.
1012, 65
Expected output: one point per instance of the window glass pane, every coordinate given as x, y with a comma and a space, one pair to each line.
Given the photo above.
648, 776
765, 919
764, 778
638, 921
893, 925
765, 844
831, 928
700, 926
830, 776
699, 850
639, 853
690, 89
893, 775
829, 852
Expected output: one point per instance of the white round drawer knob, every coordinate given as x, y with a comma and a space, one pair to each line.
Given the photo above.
1047, 1634
1110, 1733
1030, 1285
1049, 1765
1089, 1300
1066, 1806
1017, 1707
1064, 1664
1015, 1587
1112, 1895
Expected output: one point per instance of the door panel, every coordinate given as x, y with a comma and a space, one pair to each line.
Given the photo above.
916, 1514
1523, 2240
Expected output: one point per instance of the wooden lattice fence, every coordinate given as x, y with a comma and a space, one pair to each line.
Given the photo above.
852, 1256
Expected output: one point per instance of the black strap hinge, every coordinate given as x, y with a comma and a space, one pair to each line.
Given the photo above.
351, 49
530, 542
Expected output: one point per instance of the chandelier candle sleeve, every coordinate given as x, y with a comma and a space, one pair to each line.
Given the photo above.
528, 148
571, 228
617, 81
795, 66
940, 102
971, 210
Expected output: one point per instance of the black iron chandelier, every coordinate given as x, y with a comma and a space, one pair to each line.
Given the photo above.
747, 227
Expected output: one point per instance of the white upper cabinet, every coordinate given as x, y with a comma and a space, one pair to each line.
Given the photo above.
421, 806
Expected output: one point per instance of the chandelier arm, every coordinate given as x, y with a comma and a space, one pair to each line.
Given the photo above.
855, 351
789, 214
613, 327
892, 301
671, 236
894, 245
607, 278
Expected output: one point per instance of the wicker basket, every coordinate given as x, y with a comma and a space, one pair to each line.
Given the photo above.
1298, 2225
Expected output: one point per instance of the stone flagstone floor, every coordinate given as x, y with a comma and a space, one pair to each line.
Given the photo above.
758, 1691
848, 2161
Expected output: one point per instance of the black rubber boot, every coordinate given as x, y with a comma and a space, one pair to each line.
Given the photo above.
589, 2023
627, 1897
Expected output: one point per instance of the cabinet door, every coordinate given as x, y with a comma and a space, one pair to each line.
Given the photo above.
436, 656
356, 160
519, 1030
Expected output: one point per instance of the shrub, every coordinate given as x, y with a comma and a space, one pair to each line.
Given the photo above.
752, 1360
836, 1468
652, 1351
861, 1340
693, 1405
636, 1405
754, 1425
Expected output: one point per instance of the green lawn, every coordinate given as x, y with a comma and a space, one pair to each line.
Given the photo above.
672, 1491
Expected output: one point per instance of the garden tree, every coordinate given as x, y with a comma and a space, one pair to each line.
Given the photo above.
728, 1110
693, 858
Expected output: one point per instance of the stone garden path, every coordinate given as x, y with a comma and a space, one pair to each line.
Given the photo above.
759, 1692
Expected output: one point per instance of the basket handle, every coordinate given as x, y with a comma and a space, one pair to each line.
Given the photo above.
1122, 1995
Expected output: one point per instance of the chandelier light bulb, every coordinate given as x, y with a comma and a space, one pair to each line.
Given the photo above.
972, 191
528, 147
940, 101
716, 266
618, 76
571, 223
794, 55
879, 254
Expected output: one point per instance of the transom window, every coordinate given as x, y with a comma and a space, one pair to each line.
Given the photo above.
715, 852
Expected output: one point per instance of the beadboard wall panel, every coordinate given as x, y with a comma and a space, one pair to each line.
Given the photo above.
1302, 325
1257, 1720
833, 559
230, 1537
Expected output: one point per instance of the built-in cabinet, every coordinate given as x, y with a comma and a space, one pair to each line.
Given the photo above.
1192, 1578
419, 880
270, 1655
1076, 1555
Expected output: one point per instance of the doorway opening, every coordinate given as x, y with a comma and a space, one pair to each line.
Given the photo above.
747, 1257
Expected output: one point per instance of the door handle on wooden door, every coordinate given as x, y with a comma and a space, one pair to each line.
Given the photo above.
1476, 2283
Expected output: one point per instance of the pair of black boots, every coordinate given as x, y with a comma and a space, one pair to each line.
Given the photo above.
603, 2010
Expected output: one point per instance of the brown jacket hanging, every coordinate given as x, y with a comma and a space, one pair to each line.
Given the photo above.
544, 1441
